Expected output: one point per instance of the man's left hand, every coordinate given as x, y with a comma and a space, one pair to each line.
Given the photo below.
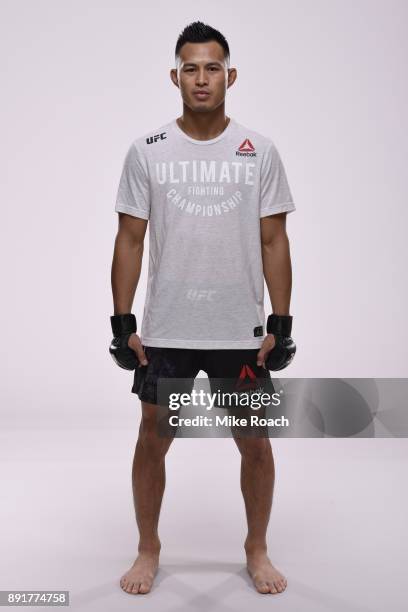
267, 345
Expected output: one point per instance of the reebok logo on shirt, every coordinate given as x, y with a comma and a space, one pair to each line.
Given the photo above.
246, 149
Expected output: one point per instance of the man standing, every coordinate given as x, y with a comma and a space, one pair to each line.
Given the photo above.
216, 195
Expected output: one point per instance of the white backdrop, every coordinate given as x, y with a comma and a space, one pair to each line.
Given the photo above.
325, 80
80, 80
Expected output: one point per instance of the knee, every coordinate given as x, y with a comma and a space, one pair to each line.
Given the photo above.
254, 449
150, 440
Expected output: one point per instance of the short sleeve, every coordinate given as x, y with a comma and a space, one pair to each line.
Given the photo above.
275, 194
133, 195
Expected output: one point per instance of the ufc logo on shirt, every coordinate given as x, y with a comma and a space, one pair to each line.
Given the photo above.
200, 294
155, 138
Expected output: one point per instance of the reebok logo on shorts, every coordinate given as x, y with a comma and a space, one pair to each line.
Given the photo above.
247, 379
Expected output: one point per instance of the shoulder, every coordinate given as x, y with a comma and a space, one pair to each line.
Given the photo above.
251, 138
150, 141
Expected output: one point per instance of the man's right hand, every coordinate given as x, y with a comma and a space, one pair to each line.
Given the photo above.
126, 348
135, 344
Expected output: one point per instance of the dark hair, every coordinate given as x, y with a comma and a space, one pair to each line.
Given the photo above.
197, 32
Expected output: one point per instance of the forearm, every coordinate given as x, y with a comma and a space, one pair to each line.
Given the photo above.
277, 270
125, 273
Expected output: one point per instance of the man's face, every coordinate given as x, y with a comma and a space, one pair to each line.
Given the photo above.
203, 76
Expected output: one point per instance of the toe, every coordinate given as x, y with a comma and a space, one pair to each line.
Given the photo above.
262, 587
135, 588
272, 588
144, 587
129, 587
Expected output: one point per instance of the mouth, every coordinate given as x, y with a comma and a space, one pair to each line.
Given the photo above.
201, 95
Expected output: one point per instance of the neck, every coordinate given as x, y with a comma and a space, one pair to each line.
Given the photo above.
203, 126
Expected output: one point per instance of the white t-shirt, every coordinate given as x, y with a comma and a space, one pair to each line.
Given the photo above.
203, 200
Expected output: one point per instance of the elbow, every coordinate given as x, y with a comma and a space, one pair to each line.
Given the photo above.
129, 241
275, 241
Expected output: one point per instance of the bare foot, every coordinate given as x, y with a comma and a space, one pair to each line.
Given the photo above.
265, 576
139, 579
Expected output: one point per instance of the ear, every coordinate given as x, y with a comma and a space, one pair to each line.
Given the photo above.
232, 75
173, 76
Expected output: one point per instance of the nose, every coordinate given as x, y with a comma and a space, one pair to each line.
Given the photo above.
201, 77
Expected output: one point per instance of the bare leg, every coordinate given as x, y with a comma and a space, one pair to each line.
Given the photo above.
148, 483
257, 483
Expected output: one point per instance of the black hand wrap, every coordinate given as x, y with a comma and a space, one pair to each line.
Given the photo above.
284, 350
122, 327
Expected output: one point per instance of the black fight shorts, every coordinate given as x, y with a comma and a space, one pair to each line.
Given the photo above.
228, 370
